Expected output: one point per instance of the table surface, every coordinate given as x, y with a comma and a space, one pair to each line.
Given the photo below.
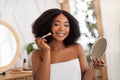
16, 74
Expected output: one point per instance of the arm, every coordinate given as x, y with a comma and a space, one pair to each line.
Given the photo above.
41, 62
41, 69
87, 73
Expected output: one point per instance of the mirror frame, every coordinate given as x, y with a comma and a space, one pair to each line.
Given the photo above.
65, 6
7, 67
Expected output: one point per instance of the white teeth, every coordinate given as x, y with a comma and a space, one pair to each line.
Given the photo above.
60, 34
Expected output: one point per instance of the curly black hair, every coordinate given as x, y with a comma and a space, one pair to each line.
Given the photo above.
43, 24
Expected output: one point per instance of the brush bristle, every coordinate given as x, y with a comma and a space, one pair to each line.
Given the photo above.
52, 32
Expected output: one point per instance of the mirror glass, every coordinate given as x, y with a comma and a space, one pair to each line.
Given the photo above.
98, 48
9, 46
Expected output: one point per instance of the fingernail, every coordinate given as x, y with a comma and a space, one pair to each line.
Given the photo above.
102, 62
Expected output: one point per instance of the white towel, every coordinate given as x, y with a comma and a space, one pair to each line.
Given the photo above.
69, 70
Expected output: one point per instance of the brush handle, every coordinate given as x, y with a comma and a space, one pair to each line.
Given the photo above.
47, 35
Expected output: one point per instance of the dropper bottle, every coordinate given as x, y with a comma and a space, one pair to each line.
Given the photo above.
24, 64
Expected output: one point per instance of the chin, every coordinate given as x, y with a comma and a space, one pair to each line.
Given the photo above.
61, 40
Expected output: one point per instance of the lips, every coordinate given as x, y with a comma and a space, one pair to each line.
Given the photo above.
60, 34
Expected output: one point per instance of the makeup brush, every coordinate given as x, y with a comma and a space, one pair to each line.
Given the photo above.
48, 34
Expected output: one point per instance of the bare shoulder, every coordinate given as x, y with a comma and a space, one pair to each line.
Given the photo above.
36, 54
79, 49
78, 46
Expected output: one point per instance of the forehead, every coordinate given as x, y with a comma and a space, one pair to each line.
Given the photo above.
61, 17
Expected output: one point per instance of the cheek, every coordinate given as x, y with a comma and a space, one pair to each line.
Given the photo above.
52, 29
68, 30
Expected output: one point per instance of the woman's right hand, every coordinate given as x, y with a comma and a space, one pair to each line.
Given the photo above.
41, 43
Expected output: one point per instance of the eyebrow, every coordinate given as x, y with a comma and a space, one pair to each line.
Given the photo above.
59, 21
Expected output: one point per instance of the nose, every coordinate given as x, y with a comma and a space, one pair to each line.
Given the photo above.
61, 27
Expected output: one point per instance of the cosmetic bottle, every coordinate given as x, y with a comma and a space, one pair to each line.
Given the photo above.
24, 64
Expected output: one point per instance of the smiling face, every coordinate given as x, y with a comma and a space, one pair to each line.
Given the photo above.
60, 28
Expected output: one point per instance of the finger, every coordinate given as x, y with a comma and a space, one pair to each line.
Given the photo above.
99, 61
94, 63
102, 62
94, 59
43, 43
43, 40
38, 41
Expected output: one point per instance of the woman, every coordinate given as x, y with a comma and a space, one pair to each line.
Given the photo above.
59, 56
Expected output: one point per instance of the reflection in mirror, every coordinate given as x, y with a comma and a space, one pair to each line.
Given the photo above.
9, 46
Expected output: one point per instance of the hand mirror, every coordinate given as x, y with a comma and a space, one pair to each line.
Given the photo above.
98, 48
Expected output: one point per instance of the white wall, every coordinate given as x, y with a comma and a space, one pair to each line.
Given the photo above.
20, 14
110, 11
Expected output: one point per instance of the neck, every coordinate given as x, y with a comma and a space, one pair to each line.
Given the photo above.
56, 46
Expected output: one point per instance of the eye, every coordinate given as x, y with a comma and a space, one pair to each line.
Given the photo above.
56, 24
66, 25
